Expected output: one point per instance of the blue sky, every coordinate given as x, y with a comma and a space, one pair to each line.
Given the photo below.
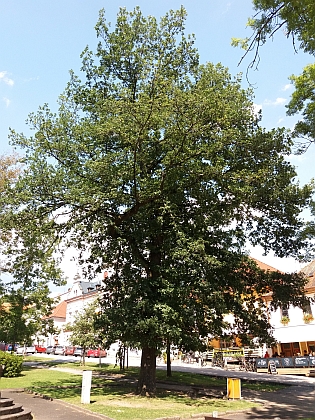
42, 40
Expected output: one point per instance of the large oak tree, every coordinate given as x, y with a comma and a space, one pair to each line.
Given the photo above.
155, 168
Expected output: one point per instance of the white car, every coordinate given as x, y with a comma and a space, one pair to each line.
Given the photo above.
26, 350
60, 350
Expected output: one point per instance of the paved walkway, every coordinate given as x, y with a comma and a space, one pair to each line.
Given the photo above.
296, 402
251, 376
45, 409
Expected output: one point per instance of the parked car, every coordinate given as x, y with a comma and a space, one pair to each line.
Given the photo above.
50, 350
40, 349
96, 353
9, 347
69, 350
26, 350
78, 351
59, 350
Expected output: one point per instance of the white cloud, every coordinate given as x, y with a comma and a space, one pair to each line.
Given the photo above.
6, 79
287, 87
227, 8
7, 101
278, 101
31, 79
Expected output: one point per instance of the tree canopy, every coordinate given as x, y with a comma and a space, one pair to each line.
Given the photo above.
9, 170
84, 332
27, 267
156, 168
296, 19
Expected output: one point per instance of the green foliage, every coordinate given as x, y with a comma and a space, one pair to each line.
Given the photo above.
303, 102
9, 170
29, 262
297, 20
162, 174
84, 332
294, 18
297, 17
12, 364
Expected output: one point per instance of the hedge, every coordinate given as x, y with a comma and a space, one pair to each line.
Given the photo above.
12, 364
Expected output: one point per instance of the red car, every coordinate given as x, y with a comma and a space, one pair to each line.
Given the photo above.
96, 353
69, 350
40, 349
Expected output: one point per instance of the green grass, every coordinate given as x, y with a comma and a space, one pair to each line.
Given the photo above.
39, 378
182, 378
123, 404
117, 400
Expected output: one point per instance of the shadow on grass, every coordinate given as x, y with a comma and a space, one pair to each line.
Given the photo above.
112, 390
109, 381
72, 388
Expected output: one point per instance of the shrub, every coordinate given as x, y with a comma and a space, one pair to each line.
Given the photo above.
12, 364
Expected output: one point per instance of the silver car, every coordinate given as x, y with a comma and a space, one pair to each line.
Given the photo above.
26, 350
60, 350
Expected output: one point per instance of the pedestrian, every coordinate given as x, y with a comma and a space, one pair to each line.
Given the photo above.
266, 355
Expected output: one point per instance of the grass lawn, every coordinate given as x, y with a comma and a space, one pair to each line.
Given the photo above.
118, 400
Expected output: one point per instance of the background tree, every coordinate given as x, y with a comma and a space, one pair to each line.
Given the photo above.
27, 267
84, 332
296, 20
9, 170
25, 301
156, 167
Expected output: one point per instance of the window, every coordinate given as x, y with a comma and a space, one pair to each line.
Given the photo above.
307, 310
284, 312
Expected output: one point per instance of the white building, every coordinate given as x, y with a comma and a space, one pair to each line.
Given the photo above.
295, 327
72, 302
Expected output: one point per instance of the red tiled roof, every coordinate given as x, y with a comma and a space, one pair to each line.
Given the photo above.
59, 311
309, 272
264, 266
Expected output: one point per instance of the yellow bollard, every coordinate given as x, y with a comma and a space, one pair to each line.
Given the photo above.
233, 388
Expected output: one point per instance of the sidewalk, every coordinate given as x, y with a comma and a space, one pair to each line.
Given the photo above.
296, 402
45, 409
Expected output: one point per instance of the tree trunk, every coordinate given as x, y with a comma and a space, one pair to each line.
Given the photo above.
168, 360
147, 380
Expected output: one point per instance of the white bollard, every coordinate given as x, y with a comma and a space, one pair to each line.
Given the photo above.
86, 386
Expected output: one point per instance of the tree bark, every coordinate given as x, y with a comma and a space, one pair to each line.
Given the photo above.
147, 379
